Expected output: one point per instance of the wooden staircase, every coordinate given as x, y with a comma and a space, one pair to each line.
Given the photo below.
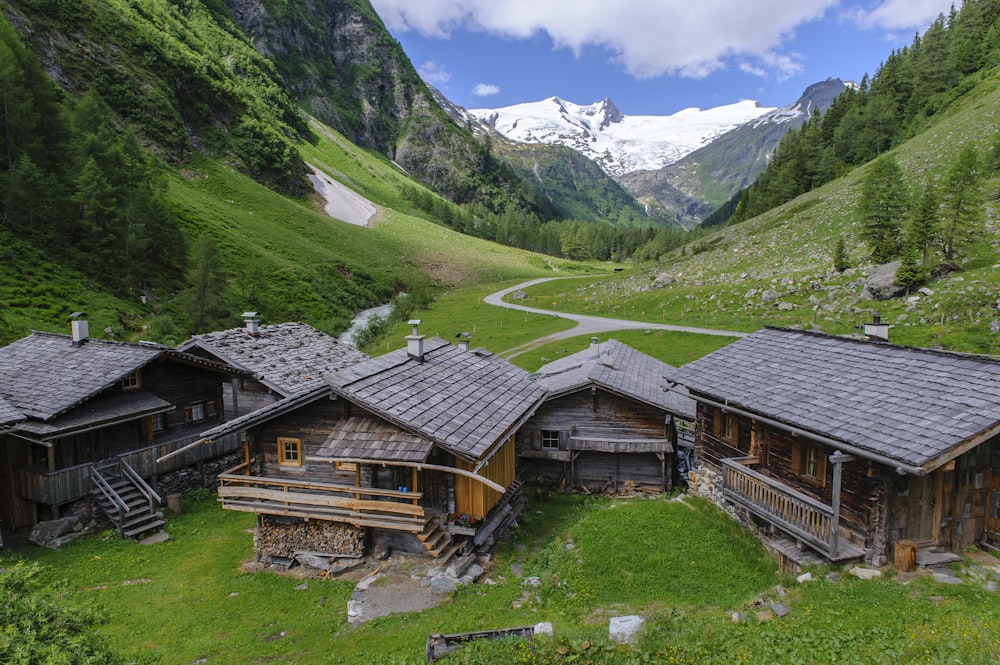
437, 541
126, 499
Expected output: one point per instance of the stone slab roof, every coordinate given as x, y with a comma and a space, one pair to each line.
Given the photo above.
373, 438
8, 414
463, 401
285, 356
43, 374
620, 369
100, 412
906, 404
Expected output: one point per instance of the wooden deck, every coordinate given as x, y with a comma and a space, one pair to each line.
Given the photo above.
803, 517
358, 506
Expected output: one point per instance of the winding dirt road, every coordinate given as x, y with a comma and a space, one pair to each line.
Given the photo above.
585, 325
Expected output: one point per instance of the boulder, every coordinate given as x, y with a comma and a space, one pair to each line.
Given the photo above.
53, 534
770, 295
881, 282
625, 629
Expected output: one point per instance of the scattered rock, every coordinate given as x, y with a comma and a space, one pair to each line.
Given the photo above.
865, 573
780, 609
804, 577
947, 578
443, 585
770, 295
765, 615
544, 628
833, 577
533, 581
930, 558
737, 617
517, 570
302, 587
625, 629
881, 282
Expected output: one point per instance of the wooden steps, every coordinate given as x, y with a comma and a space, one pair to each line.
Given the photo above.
128, 508
438, 542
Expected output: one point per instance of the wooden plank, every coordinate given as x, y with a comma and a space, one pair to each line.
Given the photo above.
302, 498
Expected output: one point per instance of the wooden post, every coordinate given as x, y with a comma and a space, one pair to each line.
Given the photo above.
904, 555
838, 459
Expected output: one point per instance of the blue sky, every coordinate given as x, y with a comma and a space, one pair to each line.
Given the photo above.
652, 57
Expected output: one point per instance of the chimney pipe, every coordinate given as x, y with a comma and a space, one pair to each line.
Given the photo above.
595, 350
876, 330
80, 328
252, 323
415, 342
463, 344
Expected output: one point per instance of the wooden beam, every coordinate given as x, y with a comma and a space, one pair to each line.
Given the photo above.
421, 466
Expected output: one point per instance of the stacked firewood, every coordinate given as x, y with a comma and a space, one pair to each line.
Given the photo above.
283, 540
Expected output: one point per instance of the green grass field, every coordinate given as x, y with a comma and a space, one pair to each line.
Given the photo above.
682, 565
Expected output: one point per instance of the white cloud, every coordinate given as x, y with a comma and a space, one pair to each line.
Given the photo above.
647, 38
901, 14
485, 89
433, 73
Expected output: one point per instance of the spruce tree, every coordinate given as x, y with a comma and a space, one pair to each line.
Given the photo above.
840, 260
962, 211
882, 208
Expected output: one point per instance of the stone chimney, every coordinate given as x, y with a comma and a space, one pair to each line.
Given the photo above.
463, 344
415, 342
80, 328
252, 323
877, 331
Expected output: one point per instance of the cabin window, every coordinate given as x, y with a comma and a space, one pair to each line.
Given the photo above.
550, 439
160, 422
809, 462
289, 451
195, 412
132, 381
726, 426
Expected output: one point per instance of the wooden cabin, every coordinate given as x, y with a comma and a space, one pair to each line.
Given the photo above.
278, 360
611, 420
844, 447
414, 450
71, 405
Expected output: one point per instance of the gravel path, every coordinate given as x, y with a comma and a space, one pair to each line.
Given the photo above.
585, 325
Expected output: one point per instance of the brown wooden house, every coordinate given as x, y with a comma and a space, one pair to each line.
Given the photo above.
413, 449
844, 446
611, 419
76, 412
278, 360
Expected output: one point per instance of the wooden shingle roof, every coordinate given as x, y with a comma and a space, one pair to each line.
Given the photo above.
620, 369
463, 401
44, 374
914, 406
372, 438
8, 414
285, 357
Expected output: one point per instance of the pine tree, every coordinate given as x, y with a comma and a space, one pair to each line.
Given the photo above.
882, 208
840, 260
202, 300
924, 223
962, 213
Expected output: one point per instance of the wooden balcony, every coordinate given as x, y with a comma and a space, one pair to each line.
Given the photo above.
55, 488
803, 517
359, 506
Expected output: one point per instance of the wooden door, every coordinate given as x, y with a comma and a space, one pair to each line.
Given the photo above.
923, 509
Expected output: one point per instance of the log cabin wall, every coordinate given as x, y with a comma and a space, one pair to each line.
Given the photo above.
712, 444
311, 425
15, 512
593, 411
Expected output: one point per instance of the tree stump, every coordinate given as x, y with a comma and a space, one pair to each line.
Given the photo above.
904, 555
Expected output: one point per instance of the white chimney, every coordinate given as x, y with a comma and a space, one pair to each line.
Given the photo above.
80, 328
415, 342
595, 350
876, 330
252, 323
608, 359
463, 344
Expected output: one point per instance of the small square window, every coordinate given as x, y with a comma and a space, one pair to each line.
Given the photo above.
289, 452
550, 439
197, 412
131, 381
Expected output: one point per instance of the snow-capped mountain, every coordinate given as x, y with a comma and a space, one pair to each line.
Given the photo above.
617, 142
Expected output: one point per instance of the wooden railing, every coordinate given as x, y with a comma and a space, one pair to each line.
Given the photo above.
54, 488
360, 506
801, 516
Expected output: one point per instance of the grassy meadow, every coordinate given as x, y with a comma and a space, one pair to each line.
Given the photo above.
683, 565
